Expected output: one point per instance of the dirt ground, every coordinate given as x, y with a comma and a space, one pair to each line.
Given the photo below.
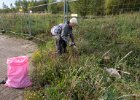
12, 47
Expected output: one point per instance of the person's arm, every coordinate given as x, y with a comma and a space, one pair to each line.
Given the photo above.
72, 38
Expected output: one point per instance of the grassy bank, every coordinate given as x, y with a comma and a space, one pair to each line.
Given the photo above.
80, 74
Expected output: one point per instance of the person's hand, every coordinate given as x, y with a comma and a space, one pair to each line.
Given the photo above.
75, 47
72, 44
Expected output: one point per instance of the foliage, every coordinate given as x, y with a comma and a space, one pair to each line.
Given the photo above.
25, 5
82, 7
79, 75
87, 7
25, 23
109, 5
121, 6
55, 8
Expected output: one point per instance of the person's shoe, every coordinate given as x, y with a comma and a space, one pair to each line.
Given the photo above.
2, 81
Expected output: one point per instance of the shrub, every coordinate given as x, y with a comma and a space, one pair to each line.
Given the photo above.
121, 6
111, 6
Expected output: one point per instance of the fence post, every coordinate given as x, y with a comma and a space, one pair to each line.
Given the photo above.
29, 13
65, 11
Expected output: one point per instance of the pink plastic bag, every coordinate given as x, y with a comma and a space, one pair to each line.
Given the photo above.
18, 72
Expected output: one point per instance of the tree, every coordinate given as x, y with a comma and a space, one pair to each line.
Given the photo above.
81, 7
34, 5
11, 6
17, 5
117, 6
87, 7
31, 3
24, 5
4, 6
111, 5
97, 7
55, 8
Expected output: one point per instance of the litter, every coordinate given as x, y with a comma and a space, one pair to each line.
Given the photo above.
17, 73
113, 72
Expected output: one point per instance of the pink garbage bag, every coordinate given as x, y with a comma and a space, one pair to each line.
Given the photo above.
18, 72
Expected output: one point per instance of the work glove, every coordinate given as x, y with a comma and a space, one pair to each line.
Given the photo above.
72, 44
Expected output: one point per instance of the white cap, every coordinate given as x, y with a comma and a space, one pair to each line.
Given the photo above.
30, 11
73, 20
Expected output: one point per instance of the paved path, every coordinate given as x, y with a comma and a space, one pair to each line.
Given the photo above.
10, 47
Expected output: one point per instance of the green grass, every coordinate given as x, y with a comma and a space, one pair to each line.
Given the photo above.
26, 24
79, 75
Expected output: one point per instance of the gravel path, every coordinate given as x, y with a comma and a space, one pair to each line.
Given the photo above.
11, 47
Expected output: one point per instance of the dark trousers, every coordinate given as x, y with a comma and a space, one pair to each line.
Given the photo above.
61, 46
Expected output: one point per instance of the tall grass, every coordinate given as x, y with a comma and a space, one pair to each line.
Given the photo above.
80, 74
29, 23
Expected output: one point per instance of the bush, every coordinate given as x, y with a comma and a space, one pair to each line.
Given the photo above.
88, 7
111, 6
121, 6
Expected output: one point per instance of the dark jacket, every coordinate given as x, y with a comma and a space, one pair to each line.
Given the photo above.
67, 32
